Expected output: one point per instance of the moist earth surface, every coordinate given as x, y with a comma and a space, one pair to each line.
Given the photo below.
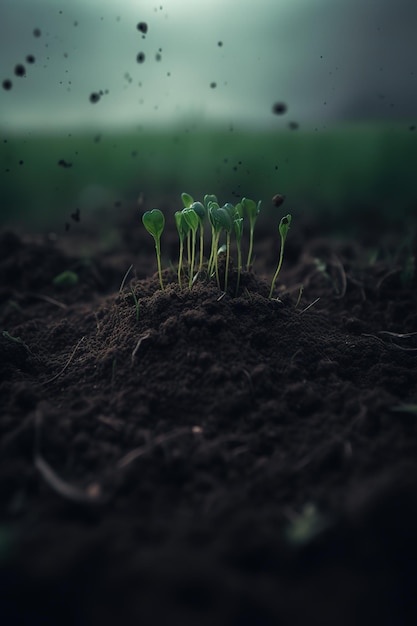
199, 457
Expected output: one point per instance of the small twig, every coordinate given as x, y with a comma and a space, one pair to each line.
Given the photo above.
61, 305
339, 265
310, 305
138, 452
138, 345
125, 278
50, 380
91, 495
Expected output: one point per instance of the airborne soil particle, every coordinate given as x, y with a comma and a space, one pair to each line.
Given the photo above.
202, 458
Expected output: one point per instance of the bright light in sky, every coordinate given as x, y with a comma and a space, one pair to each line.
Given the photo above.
216, 60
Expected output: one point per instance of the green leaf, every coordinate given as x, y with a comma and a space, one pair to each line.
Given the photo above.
231, 209
182, 225
187, 200
284, 226
200, 210
209, 198
252, 209
225, 219
191, 218
154, 222
213, 207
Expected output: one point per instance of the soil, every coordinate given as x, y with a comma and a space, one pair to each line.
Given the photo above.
195, 457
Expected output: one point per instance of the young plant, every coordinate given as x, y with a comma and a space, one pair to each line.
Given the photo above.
228, 227
183, 230
154, 222
252, 210
192, 221
220, 220
238, 226
284, 226
201, 213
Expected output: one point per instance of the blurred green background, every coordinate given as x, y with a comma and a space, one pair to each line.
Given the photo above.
347, 169
185, 100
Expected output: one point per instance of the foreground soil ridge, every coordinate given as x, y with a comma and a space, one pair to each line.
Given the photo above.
230, 454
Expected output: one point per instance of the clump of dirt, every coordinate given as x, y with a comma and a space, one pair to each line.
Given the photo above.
201, 457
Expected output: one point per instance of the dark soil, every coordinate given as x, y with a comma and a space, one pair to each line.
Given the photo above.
205, 459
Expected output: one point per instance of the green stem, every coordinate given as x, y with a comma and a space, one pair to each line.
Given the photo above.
239, 266
180, 263
190, 279
201, 247
250, 246
226, 273
158, 258
281, 256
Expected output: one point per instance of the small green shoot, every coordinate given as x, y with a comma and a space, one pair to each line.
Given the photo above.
238, 226
201, 213
135, 300
252, 210
66, 279
154, 222
192, 220
183, 230
284, 226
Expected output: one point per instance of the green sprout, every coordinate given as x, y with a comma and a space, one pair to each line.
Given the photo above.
238, 226
192, 220
228, 227
220, 220
187, 200
66, 279
201, 213
154, 222
183, 230
284, 226
252, 210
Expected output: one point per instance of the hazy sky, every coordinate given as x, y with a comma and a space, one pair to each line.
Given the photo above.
225, 60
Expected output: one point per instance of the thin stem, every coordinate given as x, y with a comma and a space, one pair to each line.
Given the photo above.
190, 279
226, 275
281, 256
180, 263
239, 266
158, 257
252, 227
201, 247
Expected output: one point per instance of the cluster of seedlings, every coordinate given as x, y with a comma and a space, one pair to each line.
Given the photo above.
226, 221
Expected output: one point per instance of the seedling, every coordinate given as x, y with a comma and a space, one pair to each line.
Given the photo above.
228, 227
201, 213
284, 226
192, 220
66, 279
238, 226
252, 210
154, 222
183, 230
220, 220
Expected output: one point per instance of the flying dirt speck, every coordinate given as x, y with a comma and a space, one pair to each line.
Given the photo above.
279, 108
140, 57
7, 84
94, 97
30, 58
19, 70
36, 32
142, 27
